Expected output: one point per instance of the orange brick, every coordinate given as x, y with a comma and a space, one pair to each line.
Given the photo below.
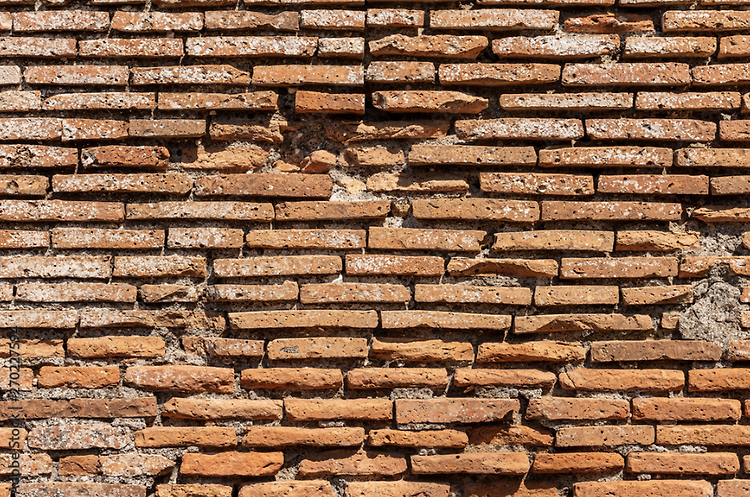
326, 293
394, 349
442, 46
154, 22
614, 156
78, 377
626, 74
189, 379
370, 378
605, 436
532, 351
334, 409
519, 128
556, 47
493, 463
494, 19
468, 209
394, 265
623, 267
660, 241
547, 296
238, 20
304, 319
308, 75
276, 266
603, 380
537, 184
189, 75
290, 378
505, 267
284, 436
234, 464
683, 464
451, 102
657, 295
427, 438
640, 184
573, 409
518, 378
651, 129
470, 155
316, 348
362, 463
454, 410
654, 350
208, 409
609, 23
498, 74
102, 101
582, 322
329, 103
693, 410
578, 462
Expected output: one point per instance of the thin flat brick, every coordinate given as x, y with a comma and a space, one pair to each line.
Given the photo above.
494, 19
291, 378
235, 211
683, 464
554, 210
75, 292
622, 267
582, 322
452, 102
78, 75
641, 47
651, 129
159, 266
375, 378
419, 239
505, 74
232, 464
578, 462
465, 294
420, 350
454, 410
604, 380
209, 74
641, 184
568, 101
657, 295
343, 463
702, 21
155, 22
692, 410
186, 379
283, 436
228, 20
394, 265
601, 157
467, 209
326, 293
537, 184
550, 296
556, 47
400, 72
575, 409
520, 128
652, 487
54, 48
439, 46
532, 352
316, 348
464, 155
627, 74
605, 436
334, 75
438, 320
584, 240
265, 185
304, 319
100, 101
211, 409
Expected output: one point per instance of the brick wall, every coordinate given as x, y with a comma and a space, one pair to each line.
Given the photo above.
336, 248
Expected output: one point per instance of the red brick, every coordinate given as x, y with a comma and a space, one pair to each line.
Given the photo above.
56, 48
155, 22
372, 378
291, 75
342, 463
255, 46
285, 436
394, 349
332, 211
78, 75
304, 319
115, 346
234, 464
641, 47
605, 436
604, 380
394, 265
428, 101
465, 294
151, 47
627, 74
614, 156
510, 487
578, 462
448, 410
189, 75
653, 488
188, 379
505, 267
68, 238
125, 156
515, 378
37, 156
477, 463
693, 410
733, 488
718, 380
439, 46
582, 322
517, 128
290, 378
316, 348
683, 464
494, 19
498, 74
265, 185
80, 408
556, 46
214, 238
575, 409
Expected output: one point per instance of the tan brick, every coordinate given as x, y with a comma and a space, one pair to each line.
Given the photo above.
353, 293
55, 267
132, 465
77, 437
151, 47
292, 75
155, 22
477, 463
236, 211
494, 19
702, 435
560, 47
283, 436
716, 21
530, 352
651, 129
223, 347
603, 380
448, 410
597, 241
394, 265
415, 183
80, 408
32, 348
626, 74
662, 241
93, 129
304, 319
38, 319
287, 291
537, 184
654, 350
498, 74
400, 72
465, 294
235, 464
116, 346
520, 128
518, 378
362, 463
439, 46
467, 209
251, 46
188, 379
427, 438
466, 155
37, 156
582, 322
683, 464
189, 75
622, 267
259, 100
721, 74
545, 296
395, 18
510, 435
510, 488
370, 378
265, 185
170, 183
394, 349
75, 292
568, 101
641, 47
347, 132
604, 436
167, 128
719, 214
277, 266
575, 409
694, 410
672, 184
30, 129
505, 267
578, 462
437, 320
227, 20
20, 101
290, 378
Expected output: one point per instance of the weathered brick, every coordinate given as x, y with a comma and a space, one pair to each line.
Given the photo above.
255, 46
395, 18
172, 436
718, 380
651, 129
290, 378
721, 74
32, 348
661, 241
468, 209
604, 436
494, 19
78, 377
531, 352
235, 211
484, 74
78, 75
30, 128
567, 101
465, 294
133, 465
291, 488
603, 380
189, 75
563, 47
152, 47
627, 74
188, 379
353, 293
101, 101
79, 465
654, 350
505, 267
614, 156
651, 487
57, 48
733, 488
694, 410
711, 435
640, 184
330, 211
38, 319
439, 46
287, 291
347, 132
155, 22
415, 183
721, 214
329, 103
78, 489
171, 183
657, 295
510, 435
66, 238
537, 184
316, 348
77, 437
371, 378
447, 410
362, 463
55, 267
400, 72
431, 155
683, 464
477, 463
265, 185
641, 47
227, 347
234, 464
159, 266
80, 408
394, 349
37, 156
701, 21
283, 436
304, 319
520, 128
227, 20
574, 409
205, 238
394, 265
115, 346
20, 101
167, 128
427, 438
578, 462
259, 100
545, 296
